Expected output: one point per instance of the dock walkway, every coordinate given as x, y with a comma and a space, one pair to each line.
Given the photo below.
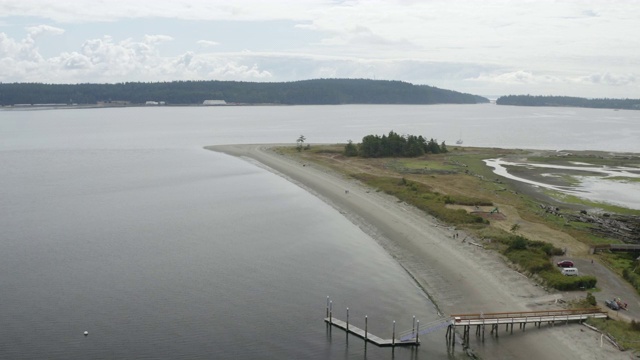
364, 334
480, 321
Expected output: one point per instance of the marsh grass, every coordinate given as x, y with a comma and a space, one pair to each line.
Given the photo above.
423, 197
625, 334
606, 207
412, 164
623, 178
470, 182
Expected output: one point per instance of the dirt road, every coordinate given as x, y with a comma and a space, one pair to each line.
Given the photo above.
611, 286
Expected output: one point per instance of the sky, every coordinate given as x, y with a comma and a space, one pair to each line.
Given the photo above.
578, 48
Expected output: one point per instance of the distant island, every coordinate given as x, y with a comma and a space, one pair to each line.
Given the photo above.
528, 100
307, 92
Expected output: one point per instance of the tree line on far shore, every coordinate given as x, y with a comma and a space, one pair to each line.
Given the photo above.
394, 145
528, 100
306, 92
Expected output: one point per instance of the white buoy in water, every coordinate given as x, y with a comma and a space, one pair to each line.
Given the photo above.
86, 333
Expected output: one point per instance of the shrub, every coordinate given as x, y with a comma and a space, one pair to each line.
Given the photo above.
561, 282
546, 247
350, 149
591, 300
530, 260
518, 243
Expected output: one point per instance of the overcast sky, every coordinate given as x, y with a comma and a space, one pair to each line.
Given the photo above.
575, 48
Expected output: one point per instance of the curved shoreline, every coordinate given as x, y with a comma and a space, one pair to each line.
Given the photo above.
457, 276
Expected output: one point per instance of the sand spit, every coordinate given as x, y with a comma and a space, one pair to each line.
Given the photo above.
458, 276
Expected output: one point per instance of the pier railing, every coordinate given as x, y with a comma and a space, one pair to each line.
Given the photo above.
524, 314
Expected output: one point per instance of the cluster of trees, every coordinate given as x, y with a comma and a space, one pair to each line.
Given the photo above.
394, 145
319, 91
528, 100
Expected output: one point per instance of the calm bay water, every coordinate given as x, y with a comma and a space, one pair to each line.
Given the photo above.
117, 222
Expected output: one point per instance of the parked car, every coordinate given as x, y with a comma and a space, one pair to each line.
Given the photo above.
565, 263
612, 304
570, 271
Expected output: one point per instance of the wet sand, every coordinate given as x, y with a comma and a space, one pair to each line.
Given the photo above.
458, 276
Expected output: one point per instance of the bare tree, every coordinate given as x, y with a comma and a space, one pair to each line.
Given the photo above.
299, 142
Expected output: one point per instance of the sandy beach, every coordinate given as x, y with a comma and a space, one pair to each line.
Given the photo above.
458, 276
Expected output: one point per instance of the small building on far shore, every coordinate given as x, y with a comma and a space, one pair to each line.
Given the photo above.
214, 102
114, 103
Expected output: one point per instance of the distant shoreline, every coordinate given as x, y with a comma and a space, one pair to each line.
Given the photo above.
96, 106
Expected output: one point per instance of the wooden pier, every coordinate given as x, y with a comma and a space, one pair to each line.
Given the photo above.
376, 340
407, 339
614, 247
509, 319
465, 321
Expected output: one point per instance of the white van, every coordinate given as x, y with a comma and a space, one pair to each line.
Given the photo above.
570, 271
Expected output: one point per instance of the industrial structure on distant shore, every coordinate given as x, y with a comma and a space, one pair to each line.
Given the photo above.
214, 102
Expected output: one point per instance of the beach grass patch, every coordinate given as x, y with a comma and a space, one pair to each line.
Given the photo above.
458, 199
326, 149
623, 179
533, 261
593, 239
589, 301
624, 264
579, 225
620, 261
473, 163
633, 277
591, 160
421, 196
419, 165
625, 334
572, 199
545, 247
569, 180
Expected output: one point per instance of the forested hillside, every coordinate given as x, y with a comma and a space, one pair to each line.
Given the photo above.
528, 100
321, 91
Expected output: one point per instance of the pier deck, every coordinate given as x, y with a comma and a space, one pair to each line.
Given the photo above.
349, 328
537, 318
525, 317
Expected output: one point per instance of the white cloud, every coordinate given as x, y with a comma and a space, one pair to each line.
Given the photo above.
472, 46
113, 10
153, 39
8, 46
72, 61
609, 79
207, 43
35, 31
235, 71
516, 77
106, 60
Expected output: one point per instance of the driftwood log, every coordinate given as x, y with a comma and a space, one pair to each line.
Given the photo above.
625, 228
